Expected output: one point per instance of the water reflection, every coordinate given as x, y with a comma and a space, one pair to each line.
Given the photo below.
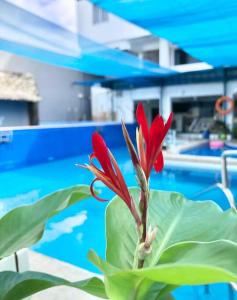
7, 204
66, 226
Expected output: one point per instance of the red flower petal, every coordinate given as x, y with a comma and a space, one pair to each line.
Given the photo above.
93, 192
156, 137
122, 184
168, 124
130, 146
142, 121
162, 136
159, 163
101, 153
157, 129
104, 178
141, 151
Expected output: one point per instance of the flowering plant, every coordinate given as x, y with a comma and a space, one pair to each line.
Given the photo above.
149, 145
156, 241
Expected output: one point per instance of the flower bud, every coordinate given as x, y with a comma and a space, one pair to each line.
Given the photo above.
146, 248
150, 237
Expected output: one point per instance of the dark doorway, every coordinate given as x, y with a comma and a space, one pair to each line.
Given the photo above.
193, 114
151, 108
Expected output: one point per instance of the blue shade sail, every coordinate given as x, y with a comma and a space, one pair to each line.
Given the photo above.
33, 35
206, 29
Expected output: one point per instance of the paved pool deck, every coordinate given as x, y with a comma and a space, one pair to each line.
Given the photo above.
42, 263
186, 161
174, 158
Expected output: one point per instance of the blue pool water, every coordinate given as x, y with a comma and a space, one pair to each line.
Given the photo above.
205, 150
73, 232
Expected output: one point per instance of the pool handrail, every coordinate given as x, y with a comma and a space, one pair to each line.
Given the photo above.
224, 167
224, 186
227, 192
234, 286
225, 181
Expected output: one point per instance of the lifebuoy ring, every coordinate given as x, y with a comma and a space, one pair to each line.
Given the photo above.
220, 101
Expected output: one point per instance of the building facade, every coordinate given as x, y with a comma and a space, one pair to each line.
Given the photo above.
188, 95
190, 99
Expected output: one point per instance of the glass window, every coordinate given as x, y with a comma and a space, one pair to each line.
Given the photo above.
182, 58
99, 15
152, 55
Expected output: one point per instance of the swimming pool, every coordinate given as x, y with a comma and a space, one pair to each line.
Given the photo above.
205, 150
73, 232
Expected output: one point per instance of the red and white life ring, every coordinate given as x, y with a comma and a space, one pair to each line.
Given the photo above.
220, 101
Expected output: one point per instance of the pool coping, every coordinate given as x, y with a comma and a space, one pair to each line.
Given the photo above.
30, 260
62, 125
188, 144
198, 162
175, 158
46, 264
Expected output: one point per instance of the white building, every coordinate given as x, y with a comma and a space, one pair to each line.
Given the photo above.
191, 96
60, 99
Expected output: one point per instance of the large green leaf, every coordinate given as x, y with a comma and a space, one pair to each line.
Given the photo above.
16, 286
122, 285
195, 263
130, 287
182, 220
121, 235
178, 220
166, 297
24, 226
181, 264
196, 243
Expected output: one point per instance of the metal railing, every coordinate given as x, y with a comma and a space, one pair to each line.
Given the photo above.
225, 177
224, 186
224, 170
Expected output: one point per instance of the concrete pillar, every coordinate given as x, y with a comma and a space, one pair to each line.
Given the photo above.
230, 91
164, 53
166, 105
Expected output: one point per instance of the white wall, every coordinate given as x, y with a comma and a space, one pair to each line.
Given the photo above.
124, 100
187, 90
114, 30
101, 105
59, 97
198, 90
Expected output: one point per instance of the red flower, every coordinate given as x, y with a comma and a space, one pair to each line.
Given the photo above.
110, 174
149, 141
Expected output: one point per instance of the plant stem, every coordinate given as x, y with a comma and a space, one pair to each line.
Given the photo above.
143, 209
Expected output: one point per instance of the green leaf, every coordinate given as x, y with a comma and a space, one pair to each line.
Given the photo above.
102, 265
166, 297
130, 287
124, 285
178, 220
24, 226
182, 220
121, 234
195, 263
16, 286
196, 244
182, 264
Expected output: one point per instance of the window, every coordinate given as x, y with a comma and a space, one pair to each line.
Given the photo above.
182, 58
235, 108
152, 55
99, 15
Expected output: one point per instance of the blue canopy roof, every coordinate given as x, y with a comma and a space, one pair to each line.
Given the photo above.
206, 29
30, 35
